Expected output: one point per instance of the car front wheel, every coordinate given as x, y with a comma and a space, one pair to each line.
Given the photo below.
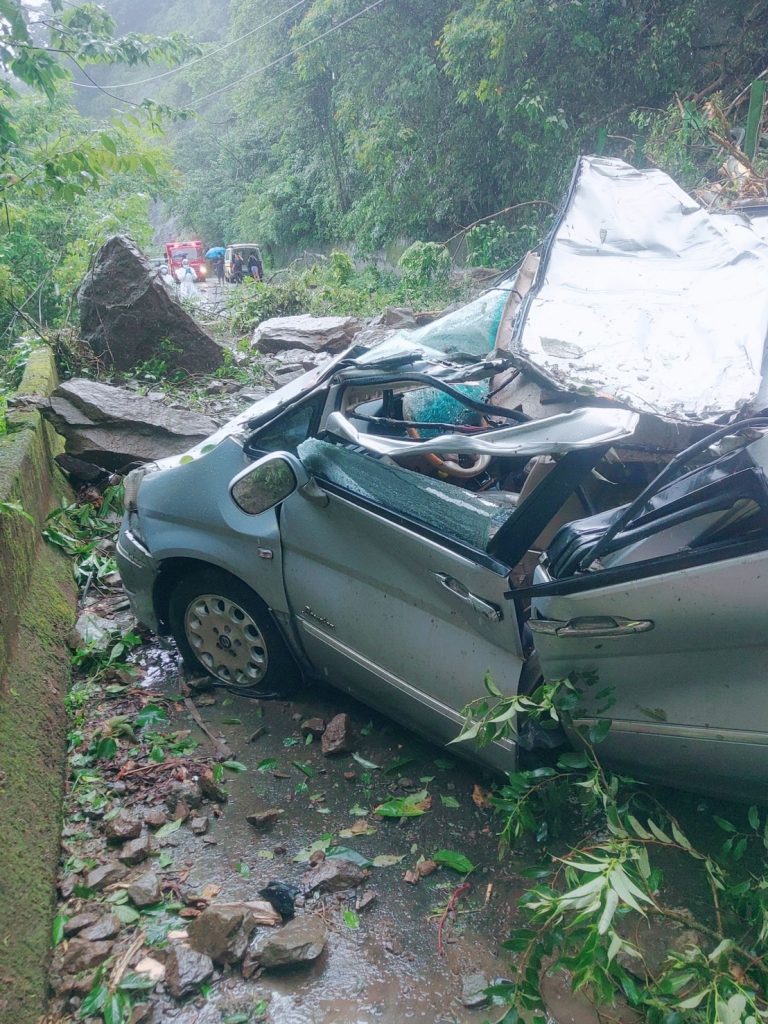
225, 631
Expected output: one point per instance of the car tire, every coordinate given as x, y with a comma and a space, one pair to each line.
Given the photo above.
224, 630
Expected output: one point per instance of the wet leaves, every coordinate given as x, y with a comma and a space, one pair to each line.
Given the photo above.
351, 920
57, 929
360, 828
405, 806
151, 714
387, 860
234, 766
448, 801
168, 829
266, 764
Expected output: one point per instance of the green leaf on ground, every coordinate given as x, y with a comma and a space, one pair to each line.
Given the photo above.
351, 920
344, 853
243, 869
168, 829
151, 714
57, 929
448, 801
387, 860
267, 764
125, 913
455, 861
234, 766
405, 806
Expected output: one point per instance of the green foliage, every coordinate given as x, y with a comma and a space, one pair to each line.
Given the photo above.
79, 529
423, 263
583, 912
318, 291
419, 119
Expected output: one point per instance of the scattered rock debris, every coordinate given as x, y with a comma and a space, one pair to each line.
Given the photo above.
149, 794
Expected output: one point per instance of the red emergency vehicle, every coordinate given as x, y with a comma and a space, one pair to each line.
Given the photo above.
175, 252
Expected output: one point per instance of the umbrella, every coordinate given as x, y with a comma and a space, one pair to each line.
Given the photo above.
215, 252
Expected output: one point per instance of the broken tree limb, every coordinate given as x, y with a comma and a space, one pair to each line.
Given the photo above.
456, 895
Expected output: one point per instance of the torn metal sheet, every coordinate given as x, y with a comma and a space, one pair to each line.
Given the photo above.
644, 297
557, 435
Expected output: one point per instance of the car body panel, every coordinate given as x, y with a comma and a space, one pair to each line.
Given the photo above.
671, 619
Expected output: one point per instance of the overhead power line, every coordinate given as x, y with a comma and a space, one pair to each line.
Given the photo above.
196, 60
285, 56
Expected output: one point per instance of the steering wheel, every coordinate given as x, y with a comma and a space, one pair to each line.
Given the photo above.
450, 465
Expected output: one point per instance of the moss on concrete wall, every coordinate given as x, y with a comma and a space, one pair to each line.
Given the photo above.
32, 744
36, 612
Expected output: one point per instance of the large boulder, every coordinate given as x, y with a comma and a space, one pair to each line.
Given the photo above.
128, 316
310, 333
115, 427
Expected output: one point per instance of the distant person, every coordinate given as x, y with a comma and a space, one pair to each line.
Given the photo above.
237, 268
220, 271
187, 281
255, 267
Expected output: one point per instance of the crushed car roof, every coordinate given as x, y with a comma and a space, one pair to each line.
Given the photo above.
644, 297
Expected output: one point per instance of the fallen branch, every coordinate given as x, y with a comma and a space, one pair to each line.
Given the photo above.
220, 747
499, 213
120, 965
161, 766
456, 895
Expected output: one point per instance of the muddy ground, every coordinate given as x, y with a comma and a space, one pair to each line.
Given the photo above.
388, 968
381, 963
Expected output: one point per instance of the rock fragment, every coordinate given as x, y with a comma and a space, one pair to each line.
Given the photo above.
337, 737
136, 850
473, 990
114, 426
104, 875
106, 927
145, 890
307, 333
199, 825
185, 970
211, 789
222, 931
81, 955
313, 727
300, 941
122, 827
264, 819
334, 875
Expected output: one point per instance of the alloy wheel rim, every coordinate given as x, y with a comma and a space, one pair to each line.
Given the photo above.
226, 640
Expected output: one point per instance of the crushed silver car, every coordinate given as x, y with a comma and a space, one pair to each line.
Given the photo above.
403, 520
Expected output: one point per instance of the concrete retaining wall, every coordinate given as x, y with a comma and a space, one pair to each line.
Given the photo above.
37, 609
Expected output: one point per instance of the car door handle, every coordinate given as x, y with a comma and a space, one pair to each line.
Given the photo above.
591, 626
485, 608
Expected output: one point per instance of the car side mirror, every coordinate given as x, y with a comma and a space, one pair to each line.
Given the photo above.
268, 482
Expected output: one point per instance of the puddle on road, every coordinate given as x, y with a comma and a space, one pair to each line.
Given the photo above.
387, 970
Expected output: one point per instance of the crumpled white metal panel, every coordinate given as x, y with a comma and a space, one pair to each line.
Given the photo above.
645, 297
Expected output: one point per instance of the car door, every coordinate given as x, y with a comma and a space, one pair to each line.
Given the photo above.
397, 616
683, 649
